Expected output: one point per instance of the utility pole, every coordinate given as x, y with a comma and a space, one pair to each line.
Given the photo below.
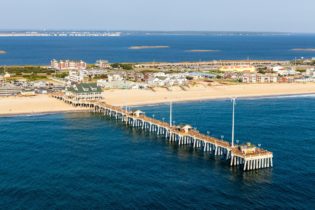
233, 114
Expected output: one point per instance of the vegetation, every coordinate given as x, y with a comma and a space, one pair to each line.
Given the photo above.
125, 66
34, 77
189, 78
18, 70
62, 75
104, 76
262, 70
214, 71
91, 66
301, 70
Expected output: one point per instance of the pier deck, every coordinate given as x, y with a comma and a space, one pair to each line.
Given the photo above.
257, 159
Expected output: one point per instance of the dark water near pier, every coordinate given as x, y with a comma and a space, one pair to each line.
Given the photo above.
85, 161
40, 50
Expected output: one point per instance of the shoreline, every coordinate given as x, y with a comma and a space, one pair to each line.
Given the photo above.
145, 97
44, 104
228, 98
42, 113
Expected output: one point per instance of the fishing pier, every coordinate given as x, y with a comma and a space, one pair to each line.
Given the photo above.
247, 157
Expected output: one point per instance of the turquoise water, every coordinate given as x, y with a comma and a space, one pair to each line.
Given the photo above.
86, 161
40, 50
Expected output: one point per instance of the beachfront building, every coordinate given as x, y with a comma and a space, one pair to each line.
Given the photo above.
162, 79
241, 68
259, 78
68, 65
84, 91
284, 71
103, 64
76, 76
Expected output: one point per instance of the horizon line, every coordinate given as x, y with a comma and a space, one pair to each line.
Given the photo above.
155, 31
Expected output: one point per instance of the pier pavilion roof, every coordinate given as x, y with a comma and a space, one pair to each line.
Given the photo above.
138, 112
85, 88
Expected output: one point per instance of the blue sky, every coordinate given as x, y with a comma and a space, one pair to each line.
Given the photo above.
195, 15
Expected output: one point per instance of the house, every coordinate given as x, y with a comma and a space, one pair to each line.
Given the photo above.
84, 91
28, 92
259, 78
267, 78
249, 78
277, 68
286, 72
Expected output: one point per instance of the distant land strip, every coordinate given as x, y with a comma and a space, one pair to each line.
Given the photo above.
304, 49
202, 51
147, 47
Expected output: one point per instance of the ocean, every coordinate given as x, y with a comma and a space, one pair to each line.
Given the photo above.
40, 50
87, 161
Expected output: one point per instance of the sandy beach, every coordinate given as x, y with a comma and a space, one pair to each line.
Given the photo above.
47, 104
33, 105
161, 95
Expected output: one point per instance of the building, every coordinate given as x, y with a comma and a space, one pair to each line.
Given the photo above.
76, 76
68, 65
28, 92
103, 64
241, 68
138, 113
84, 91
184, 128
9, 90
247, 148
259, 78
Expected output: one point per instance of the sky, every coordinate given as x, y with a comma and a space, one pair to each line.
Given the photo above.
159, 15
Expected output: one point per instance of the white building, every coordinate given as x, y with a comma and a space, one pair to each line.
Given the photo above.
76, 76
68, 65
103, 64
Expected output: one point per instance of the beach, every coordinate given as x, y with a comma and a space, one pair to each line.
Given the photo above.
162, 95
33, 105
47, 104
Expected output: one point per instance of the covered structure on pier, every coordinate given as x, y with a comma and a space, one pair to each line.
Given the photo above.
138, 113
184, 128
247, 148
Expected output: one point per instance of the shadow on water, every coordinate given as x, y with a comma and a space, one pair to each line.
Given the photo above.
184, 152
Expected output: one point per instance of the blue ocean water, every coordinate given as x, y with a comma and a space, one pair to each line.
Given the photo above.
86, 161
40, 50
